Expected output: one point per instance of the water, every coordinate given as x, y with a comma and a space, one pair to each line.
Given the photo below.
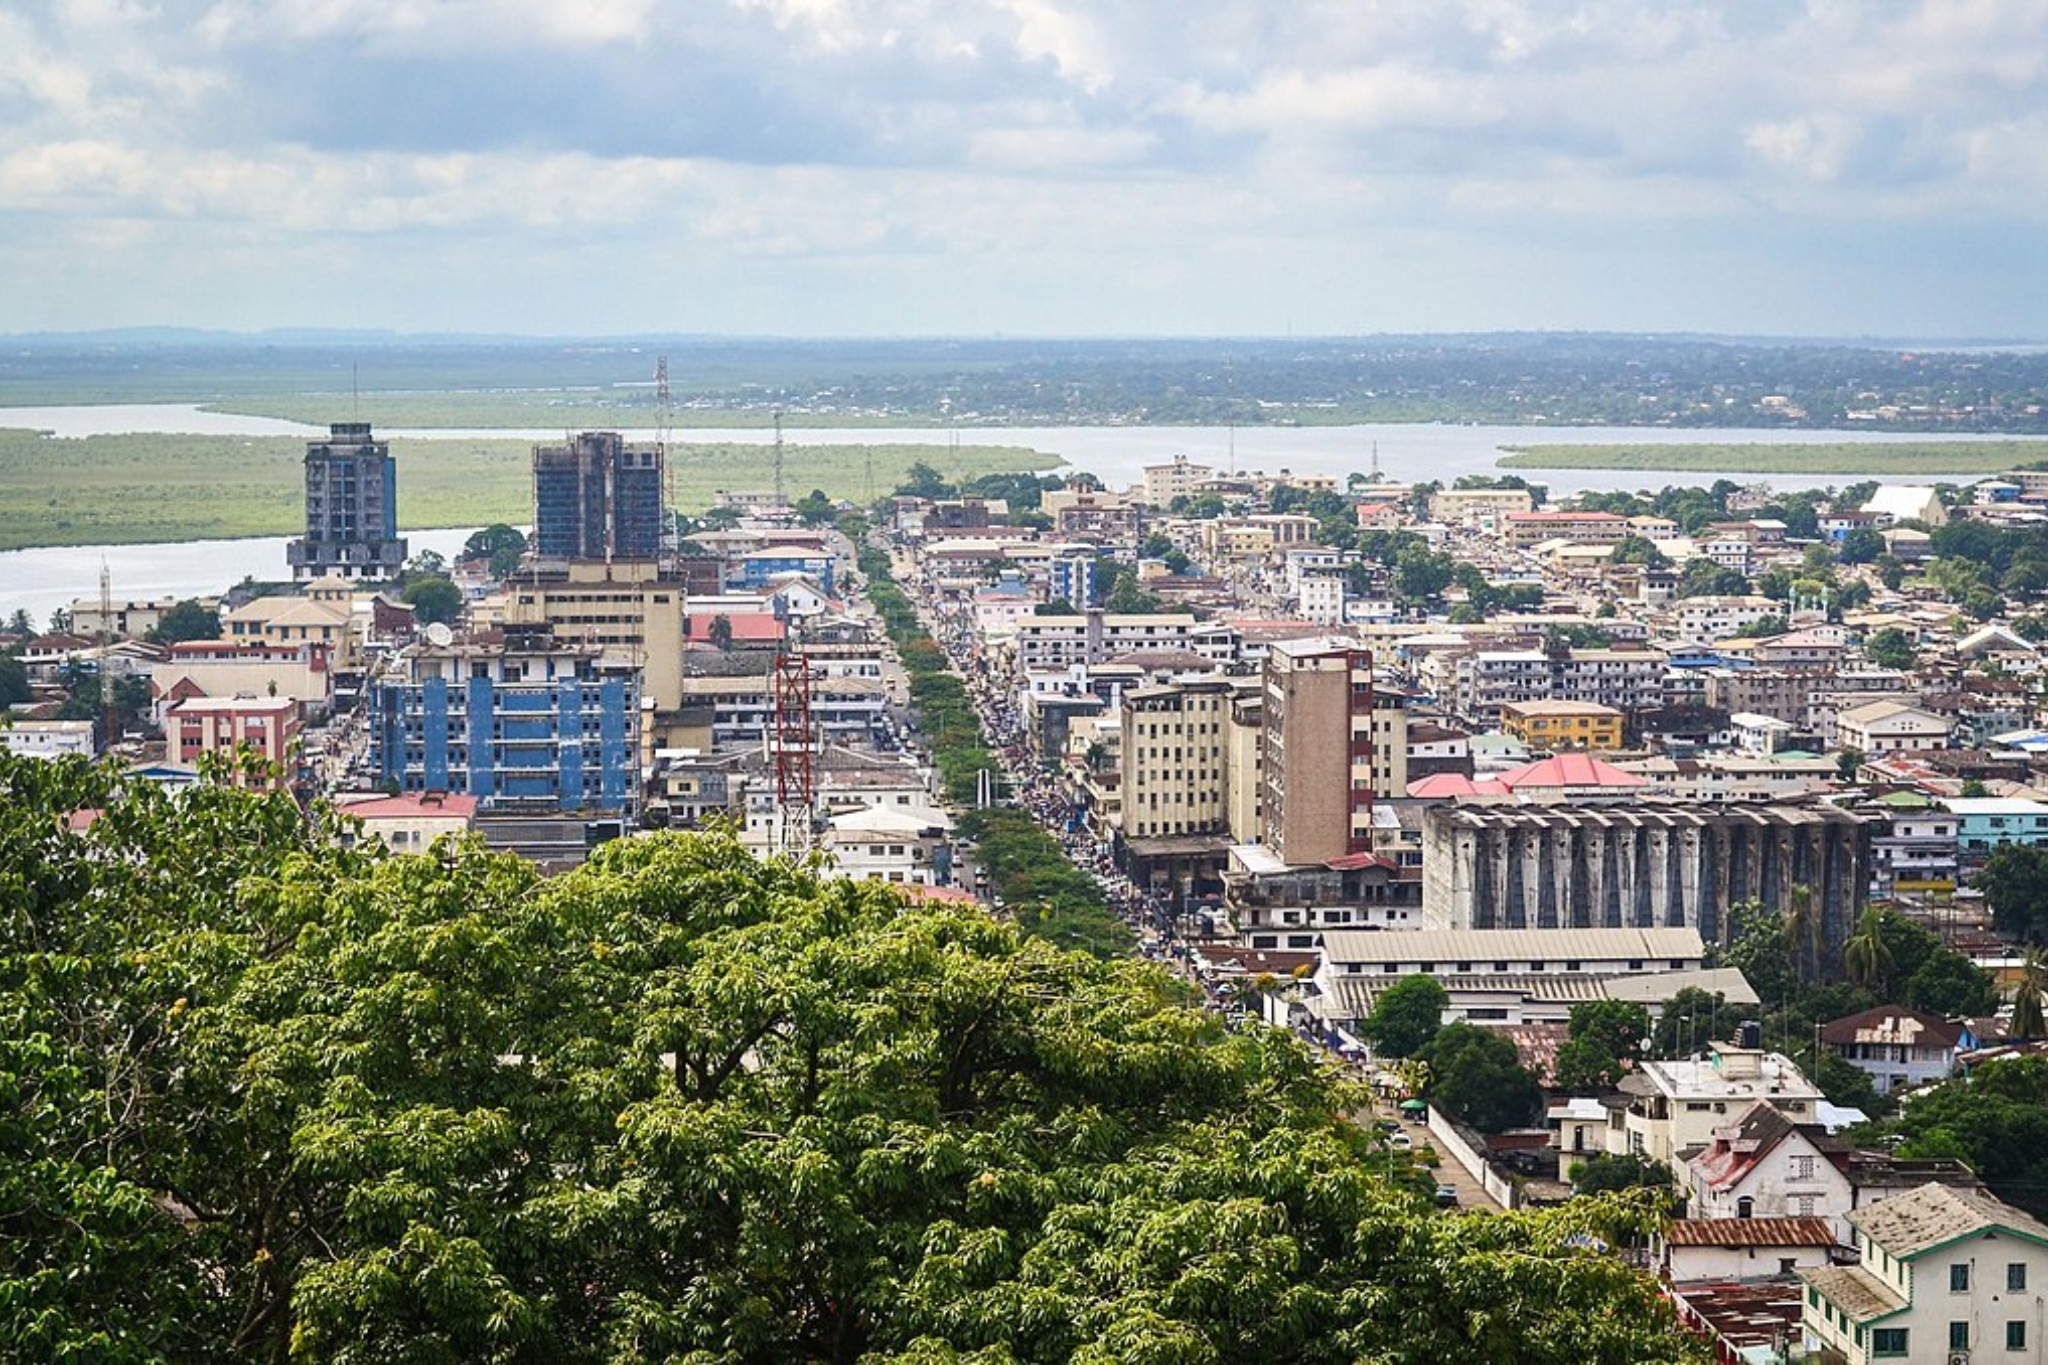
42, 580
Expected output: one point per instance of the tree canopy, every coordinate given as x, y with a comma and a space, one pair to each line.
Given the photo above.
1406, 1015
1477, 1078
189, 619
265, 1095
2014, 880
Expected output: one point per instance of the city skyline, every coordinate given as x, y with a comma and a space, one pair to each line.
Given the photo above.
840, 167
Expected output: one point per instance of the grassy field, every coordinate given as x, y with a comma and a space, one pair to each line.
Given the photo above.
1867, 459
123, 490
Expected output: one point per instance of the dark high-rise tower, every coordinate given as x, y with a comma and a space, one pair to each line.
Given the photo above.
597, 498
351, 508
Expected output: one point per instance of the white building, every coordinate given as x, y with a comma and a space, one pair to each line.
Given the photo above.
47, 738
1891, 727
1763, 1165
1944, 1275
891, 844
1675, 1106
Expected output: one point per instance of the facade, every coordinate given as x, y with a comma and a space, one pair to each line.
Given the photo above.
905, 846
125, 620
411, 823
1175, 752
597, 498
1056, 643
1898, 1048
1588, 866
1762, 1165
1552, 725
222, 725
351, 508
1178, 479
518, 720
1675, 1107
48, 738
1484, 681
1477, 508
1525, 530
1942, 1275
1331, 744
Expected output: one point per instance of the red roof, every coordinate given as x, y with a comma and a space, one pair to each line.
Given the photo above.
1444, 786
415, 806
1569, 770
1566, 516
1749, 1232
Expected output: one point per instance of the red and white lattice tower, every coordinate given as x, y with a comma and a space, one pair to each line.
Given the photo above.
790, 751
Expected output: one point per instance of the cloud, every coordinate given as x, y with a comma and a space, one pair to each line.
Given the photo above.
1221, 154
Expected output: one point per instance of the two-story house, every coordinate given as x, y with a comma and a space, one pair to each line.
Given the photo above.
1763, 1165
1675, 1106
1898, 1048
1944, 1275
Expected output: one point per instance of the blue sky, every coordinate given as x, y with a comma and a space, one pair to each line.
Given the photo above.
907, 167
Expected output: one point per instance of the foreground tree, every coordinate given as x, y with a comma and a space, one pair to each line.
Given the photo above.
1477, 1078
1406, 1015
261, 1096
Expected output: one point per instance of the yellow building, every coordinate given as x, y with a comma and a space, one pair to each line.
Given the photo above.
1553, 725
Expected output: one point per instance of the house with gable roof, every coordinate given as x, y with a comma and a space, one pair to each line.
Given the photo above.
1765, 1165
1898, 1048
1944, 1275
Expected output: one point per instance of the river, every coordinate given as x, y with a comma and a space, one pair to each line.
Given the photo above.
41, 580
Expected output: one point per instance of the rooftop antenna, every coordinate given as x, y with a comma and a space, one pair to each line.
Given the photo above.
781, 498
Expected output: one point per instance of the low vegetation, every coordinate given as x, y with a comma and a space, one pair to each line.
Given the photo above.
130, 489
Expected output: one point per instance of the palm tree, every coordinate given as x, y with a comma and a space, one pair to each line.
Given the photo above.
2027, 1016
1866, 956
1803, 933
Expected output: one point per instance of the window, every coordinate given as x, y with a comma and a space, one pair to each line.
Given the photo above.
2016, 1277
1959, 1336
1888, 1341
1959, 1278
2016, 1336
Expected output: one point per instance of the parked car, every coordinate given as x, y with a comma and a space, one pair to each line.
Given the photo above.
1446, 1196
1400, 1142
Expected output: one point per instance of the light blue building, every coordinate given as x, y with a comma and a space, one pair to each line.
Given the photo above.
519, 720
760, 568
1985, 823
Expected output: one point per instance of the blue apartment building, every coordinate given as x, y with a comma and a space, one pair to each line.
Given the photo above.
520, 720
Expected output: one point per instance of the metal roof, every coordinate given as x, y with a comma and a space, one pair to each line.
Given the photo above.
1907, 1224
1510, 945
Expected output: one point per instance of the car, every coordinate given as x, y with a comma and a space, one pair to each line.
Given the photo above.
1400, 1142
1387, 1125
1446, 1196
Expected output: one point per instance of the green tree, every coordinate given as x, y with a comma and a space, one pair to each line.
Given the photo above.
720, 632
1691, 1020
1860, 545
815, 509
1866, 956
14, 683
1420, 575
1639, 550
1405, 1016
189, 619
2028, 1019
21, 623
493, 540
1605, 1037
923, 481
1610, 1173
1477, 1078
1846, 1084
434, 600
264, 1096
1889, 648
2014, 880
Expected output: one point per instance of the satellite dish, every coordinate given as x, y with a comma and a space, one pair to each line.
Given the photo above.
439, 634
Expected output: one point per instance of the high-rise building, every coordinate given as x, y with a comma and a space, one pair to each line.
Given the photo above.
518, 719
351, 508
1331, 744
597, 498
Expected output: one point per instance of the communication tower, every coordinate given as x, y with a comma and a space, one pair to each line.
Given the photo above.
664, 428
781, 495
109, 716
790, 751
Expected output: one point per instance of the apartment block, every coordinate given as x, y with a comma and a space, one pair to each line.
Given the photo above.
597, 498
351, 508
1331, 744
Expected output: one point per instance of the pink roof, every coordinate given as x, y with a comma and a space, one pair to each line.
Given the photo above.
1569, 770
1444, 786
414, 806
746, 625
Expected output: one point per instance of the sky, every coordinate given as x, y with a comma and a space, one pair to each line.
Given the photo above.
1026, 167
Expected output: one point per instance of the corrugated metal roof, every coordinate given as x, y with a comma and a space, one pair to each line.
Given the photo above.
1907, 1224
1749, 1232
1855, 1291
1510, 945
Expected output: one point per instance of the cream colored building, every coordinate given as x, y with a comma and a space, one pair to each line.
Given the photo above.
1175, 758
1178, 479
1479, 509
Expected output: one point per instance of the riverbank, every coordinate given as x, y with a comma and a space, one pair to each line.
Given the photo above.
1861, 459
147, 488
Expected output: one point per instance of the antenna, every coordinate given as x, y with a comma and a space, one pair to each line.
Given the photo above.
1230, 407
665, 416
781, 498
108, 719
355, 385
